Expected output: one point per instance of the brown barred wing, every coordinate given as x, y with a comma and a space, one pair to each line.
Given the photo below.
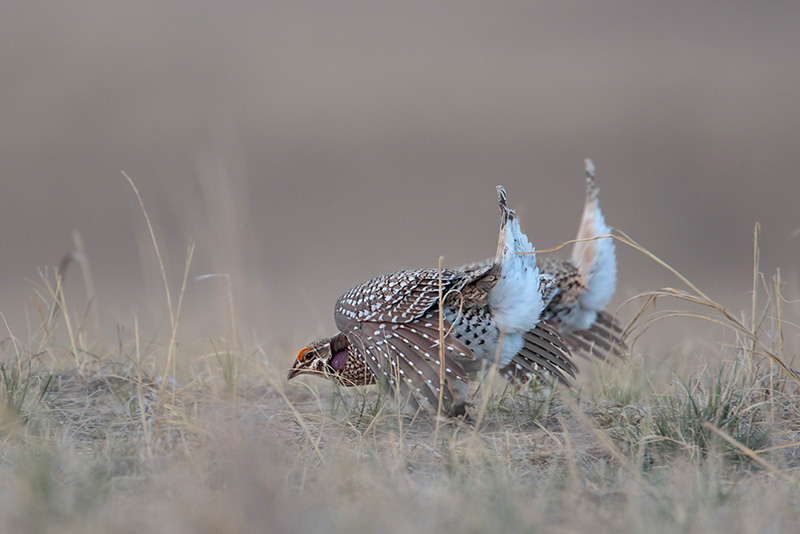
603, 339
406, 358
544, 354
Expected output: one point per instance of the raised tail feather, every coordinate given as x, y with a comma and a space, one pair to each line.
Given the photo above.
595, 258
515, 299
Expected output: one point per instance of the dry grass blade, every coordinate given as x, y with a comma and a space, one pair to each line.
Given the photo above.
605, 441
170, 363
146, 429
88, 280
489, 379
565, 243
756, 271
753, 455
59, 303
14, 342
298, 417
61, 271
622, 237
726, 318
174, 312
441, 356
778, 321
155, 247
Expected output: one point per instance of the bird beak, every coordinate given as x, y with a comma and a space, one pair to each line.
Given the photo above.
293, 372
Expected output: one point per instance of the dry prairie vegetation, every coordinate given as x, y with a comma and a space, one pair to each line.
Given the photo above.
152, 435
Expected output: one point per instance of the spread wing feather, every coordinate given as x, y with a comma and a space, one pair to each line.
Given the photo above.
544, 352
393, 321
602, 339
399, 297
417, 373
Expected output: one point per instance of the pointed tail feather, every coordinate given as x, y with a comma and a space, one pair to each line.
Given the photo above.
515, 299
595, 258
592, 192
506, 215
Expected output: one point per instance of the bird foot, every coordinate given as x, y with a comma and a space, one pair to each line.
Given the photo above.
459, 411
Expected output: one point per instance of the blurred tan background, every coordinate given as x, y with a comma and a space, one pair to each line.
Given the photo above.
307, 146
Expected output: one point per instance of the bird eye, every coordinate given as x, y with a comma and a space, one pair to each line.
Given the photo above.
304, 354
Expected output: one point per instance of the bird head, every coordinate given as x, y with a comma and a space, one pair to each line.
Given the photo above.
324, 357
